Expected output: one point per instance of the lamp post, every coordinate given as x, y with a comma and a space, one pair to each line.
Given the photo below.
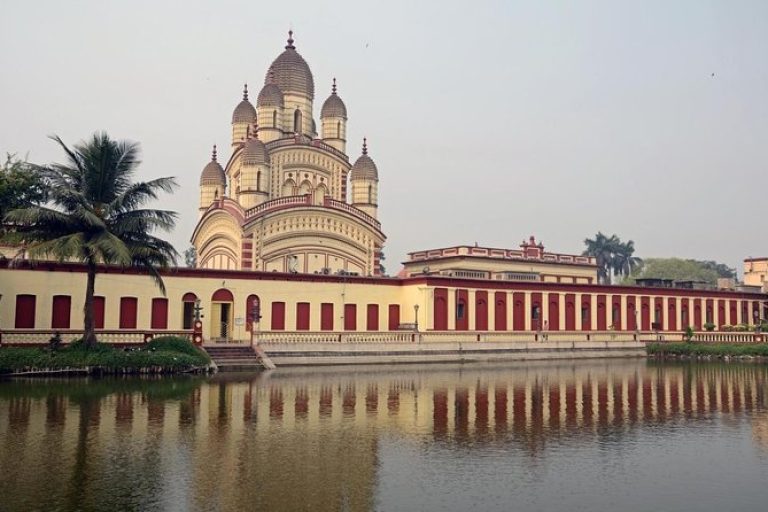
416, 317
255, 314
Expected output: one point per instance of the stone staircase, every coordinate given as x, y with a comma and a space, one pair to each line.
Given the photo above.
237, 358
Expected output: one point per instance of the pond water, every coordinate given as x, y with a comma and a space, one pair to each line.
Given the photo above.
625, 435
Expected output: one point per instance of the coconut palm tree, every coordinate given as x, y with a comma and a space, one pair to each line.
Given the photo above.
603, 249
624, 263
95, 215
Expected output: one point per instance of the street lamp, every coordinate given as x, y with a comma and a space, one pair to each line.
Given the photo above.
416, 317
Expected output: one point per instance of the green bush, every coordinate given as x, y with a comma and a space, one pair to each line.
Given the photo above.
169, 353
709, 326
713, 349
173, 344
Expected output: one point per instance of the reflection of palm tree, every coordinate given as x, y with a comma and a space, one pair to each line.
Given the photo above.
97, 216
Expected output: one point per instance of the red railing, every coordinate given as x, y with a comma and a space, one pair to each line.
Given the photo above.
118, 337
278, 204
340, 205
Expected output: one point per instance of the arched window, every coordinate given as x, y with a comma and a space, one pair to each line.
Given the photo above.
289, 188
258, 180
338, 129
297, 121
305, 188
274, 119
370, 194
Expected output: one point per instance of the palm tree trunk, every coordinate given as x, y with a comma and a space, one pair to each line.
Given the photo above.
89, 338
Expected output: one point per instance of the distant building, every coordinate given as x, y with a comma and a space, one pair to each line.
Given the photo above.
529, 263
756, 272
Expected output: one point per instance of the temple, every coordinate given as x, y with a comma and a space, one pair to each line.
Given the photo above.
280, 203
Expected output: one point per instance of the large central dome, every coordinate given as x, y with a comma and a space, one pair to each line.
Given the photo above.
291, 72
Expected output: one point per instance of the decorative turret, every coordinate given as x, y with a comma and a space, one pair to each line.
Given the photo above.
213, 183
291, 74
243, 116
270, 105
365, 183
254, 176
333, 117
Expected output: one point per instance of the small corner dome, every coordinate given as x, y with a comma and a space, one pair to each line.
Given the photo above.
244, 111
333, 107
291, 72
213, 174
364, 168
255, 153
270, 96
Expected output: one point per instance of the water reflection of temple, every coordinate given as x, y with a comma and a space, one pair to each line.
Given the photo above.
248, 442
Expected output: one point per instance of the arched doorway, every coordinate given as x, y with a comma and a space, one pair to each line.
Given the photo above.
188, 310
222, 311
252, 311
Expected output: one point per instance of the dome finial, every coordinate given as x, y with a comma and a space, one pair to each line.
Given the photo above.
245, 91
290, 46
365, 146
213, 154
333, 89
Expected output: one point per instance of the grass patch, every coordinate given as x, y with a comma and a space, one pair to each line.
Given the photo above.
166, 353
709, 349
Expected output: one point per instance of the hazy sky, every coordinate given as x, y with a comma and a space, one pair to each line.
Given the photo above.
489, 121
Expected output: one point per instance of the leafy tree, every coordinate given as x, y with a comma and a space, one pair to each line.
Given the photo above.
680, 269
190, 257
21, 186
612, 256
96, 215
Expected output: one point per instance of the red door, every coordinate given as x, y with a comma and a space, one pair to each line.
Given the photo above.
601, 318
570, 312
440, 319
462, 310
616, 313
302, 316
278, 316
159, 319
721, 312
98, 312
372, 317
500, 313
25, 312
658, 313
554, 312
350, 317
128, 310
672, 313
62, 304
586, 312
394, 317
645, 313
631, 314
734, 312
537, 322
518, 311
481, 310
697, 314
326, 316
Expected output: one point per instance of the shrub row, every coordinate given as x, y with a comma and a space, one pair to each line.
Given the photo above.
168, 353
708, 349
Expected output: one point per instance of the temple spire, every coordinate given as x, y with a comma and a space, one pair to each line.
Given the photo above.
213, 153
333, 89
290, 46
245, 92
365, 146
